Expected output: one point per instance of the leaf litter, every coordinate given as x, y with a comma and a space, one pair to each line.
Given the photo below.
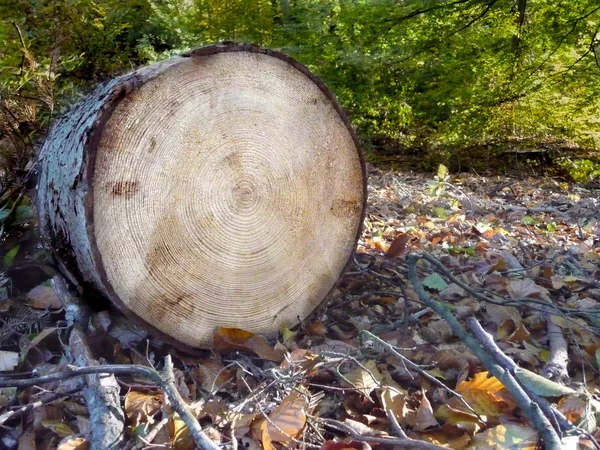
375, 364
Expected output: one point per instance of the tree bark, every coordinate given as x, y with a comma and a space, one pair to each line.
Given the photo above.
222, 187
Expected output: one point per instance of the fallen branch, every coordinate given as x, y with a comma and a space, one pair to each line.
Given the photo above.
102, 397
530, 409
165, 380
100, 391
401, 442
556, 366
561, 422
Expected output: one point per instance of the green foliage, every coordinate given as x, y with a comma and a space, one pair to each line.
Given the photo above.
9, 257
437, 75
580, 170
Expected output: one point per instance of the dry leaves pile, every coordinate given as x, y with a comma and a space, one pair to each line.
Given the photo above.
376, 366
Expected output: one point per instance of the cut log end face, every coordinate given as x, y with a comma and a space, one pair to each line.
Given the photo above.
227, 191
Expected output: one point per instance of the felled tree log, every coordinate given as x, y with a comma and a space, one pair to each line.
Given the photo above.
222, 187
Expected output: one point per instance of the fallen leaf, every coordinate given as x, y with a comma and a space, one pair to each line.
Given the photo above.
500, 313
316, 329
525, 288
180, 434
343, 445
230, 339
452, 293
73, 443
27, 440
362, 429
435, 282
43, 297
394, 400
520, 335
8, 360
573, 407
457, 415
506, 437
213, 375
302, 358
483, 394
287, 420
140, 407
60, 428
424, 418
365, 378
540, 385
398, 247
9, 257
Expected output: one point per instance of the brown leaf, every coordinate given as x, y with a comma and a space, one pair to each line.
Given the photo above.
213, 375
43, 297
393, 400
525, 288
287, 420
500, 313
437, 332
520, 335
573, 407
305, 359
316, 329
180, 434
455, 413
27, 440
140, 407
230, 339
452, 293
362, 429
398, 247
424, 418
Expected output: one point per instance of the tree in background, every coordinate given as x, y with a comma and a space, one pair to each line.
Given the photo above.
427, 74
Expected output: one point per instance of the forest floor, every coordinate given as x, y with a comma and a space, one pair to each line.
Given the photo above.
378, 365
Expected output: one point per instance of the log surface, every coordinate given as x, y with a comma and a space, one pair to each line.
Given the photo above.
222, 187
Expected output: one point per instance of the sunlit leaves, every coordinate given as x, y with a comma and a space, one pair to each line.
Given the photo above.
486, 395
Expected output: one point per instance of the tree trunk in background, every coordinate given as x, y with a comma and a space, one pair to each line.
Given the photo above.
222, 187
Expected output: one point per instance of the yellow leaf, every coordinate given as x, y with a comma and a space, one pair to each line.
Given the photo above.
506, 437
459, 417
286, 334
182, 439
486, 395
481, 382
73, 443
60, 428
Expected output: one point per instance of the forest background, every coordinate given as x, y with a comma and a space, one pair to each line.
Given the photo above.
459, 82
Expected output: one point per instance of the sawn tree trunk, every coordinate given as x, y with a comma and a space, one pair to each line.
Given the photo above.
222, 187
